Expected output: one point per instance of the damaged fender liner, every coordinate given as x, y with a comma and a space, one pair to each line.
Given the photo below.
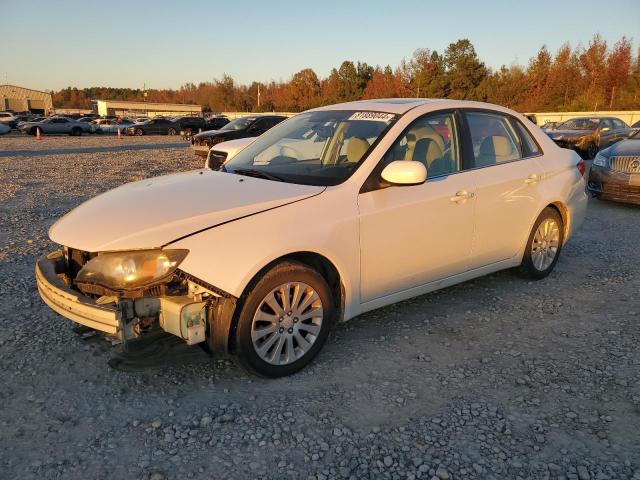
220, 321
220, 316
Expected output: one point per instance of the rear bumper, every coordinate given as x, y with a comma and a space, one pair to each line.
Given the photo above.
70, 303
611, 185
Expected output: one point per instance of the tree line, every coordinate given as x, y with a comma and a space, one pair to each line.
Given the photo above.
596, 77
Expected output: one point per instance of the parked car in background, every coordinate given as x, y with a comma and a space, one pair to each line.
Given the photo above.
615, 172
261, 258
250, 126
588, 135
155, 126
225, 151
551, 125
189, 124
53, 125
216, 122
4, 128
105, 125
8, 118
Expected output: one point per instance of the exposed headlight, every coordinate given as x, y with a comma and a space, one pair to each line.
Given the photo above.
600, 160
131, 270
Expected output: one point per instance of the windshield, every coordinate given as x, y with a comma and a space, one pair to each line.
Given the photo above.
238, 123
581, 124
315, 148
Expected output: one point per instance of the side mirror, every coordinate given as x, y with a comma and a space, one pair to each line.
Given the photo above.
404, 172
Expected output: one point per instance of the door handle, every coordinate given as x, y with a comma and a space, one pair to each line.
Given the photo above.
462, 196
531, 179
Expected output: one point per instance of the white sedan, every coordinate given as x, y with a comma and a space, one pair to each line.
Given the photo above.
261, 258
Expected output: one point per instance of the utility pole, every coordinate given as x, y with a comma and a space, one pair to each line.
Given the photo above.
613, 89
258, 96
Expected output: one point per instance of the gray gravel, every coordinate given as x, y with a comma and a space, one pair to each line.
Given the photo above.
498, 378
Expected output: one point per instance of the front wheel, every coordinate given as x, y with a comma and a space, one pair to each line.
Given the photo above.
171, 131
544, 245
76, 132
139, 132
284, 320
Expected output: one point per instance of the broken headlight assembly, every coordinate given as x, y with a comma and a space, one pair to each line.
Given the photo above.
123, 271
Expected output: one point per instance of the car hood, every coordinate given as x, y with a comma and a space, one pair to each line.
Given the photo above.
216, 133
569, 133
154, 212
628, 147
232, 147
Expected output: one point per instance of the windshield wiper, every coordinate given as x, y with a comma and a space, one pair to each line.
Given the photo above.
252, 172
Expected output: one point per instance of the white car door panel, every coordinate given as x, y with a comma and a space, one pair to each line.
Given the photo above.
507, 201
413, 235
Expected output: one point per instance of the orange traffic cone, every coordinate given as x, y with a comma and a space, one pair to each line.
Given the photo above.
119, 135
38, 133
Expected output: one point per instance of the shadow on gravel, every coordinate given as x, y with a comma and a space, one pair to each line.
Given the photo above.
156, 350
66, 151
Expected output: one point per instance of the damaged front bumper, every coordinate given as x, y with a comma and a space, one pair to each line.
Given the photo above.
200, 315
70, 303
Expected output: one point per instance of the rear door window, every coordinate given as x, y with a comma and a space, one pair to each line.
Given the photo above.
493, 139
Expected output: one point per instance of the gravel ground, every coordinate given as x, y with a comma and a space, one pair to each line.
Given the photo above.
497, 378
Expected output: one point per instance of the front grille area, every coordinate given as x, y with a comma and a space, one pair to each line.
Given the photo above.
75, 260
625, 164
216, 159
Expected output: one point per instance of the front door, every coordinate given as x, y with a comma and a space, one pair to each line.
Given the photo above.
413, 235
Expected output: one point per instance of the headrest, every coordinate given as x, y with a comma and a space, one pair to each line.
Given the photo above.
427, 131
497, 146
356, 148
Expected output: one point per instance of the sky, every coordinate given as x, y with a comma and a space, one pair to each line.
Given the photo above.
49, 45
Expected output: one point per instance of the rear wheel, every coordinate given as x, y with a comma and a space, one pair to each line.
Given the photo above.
171, 131
76, 131
284, 320
544, 245
139, 132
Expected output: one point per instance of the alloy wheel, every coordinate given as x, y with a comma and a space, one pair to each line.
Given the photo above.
287, 323
546, 242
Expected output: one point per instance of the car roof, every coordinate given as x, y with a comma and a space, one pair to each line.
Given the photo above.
400, 106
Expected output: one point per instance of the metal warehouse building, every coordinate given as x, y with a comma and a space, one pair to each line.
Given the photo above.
128, 109
21, 99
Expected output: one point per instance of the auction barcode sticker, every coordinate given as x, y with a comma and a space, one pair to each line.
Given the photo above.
372, 116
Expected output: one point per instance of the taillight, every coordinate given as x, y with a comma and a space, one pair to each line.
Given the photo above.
581, 167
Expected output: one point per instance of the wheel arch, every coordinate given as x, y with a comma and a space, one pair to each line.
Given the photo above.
562, 209
320, 263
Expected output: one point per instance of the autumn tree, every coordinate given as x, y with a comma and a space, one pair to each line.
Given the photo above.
464, 70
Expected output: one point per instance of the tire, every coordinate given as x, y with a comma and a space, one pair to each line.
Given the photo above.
76, 131
171, 131
139, 132
290, 344
33, 131
545, 239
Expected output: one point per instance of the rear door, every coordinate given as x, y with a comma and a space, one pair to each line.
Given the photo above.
507, 175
